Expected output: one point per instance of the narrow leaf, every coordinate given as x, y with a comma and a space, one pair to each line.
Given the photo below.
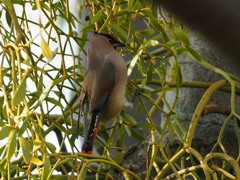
26, 149
46, 51
137, 136
46, 167
59, 80
20, 93
36, 161
133, 62
130, 118
119, 157
12, 144
4, 132
194, 54
142, 126
183, 36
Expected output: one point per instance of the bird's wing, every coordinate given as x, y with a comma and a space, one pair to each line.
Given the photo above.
93, 99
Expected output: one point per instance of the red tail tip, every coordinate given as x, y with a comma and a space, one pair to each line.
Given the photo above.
88, 152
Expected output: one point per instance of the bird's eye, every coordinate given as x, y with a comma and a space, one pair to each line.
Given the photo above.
111, 41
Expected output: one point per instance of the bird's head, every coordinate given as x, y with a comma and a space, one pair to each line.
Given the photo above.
115, 43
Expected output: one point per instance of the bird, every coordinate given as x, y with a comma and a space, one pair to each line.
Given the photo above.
103, 90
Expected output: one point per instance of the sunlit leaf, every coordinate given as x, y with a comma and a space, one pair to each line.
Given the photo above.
133, 62
23, 127
36, 161
37, 144
26, 149
46, 51
20, 93
127, 129
12, 144
5, 131
46, 167
45, 92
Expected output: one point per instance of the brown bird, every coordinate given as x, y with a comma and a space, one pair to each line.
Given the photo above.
103, 91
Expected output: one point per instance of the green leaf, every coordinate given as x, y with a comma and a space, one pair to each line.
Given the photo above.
54, 101
119, 142
12, 144
120, 13
147, 32
119, 157
119, 29
98, 17
130, 118
5, 131
20, 93
139, 109
150, 72
59, 80
130, 4
45, 93
194, 54
183, 36
87, 28
62, 177
127, 129
157, 25
109, 17
170, 128
104, 135
137, 136
23, 127
26, 149
51, 146
8, 18
172, 43
159, 129
46, 167
20, 2
179, 78
142, 126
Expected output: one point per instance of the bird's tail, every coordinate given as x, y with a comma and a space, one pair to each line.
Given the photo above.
95, 125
